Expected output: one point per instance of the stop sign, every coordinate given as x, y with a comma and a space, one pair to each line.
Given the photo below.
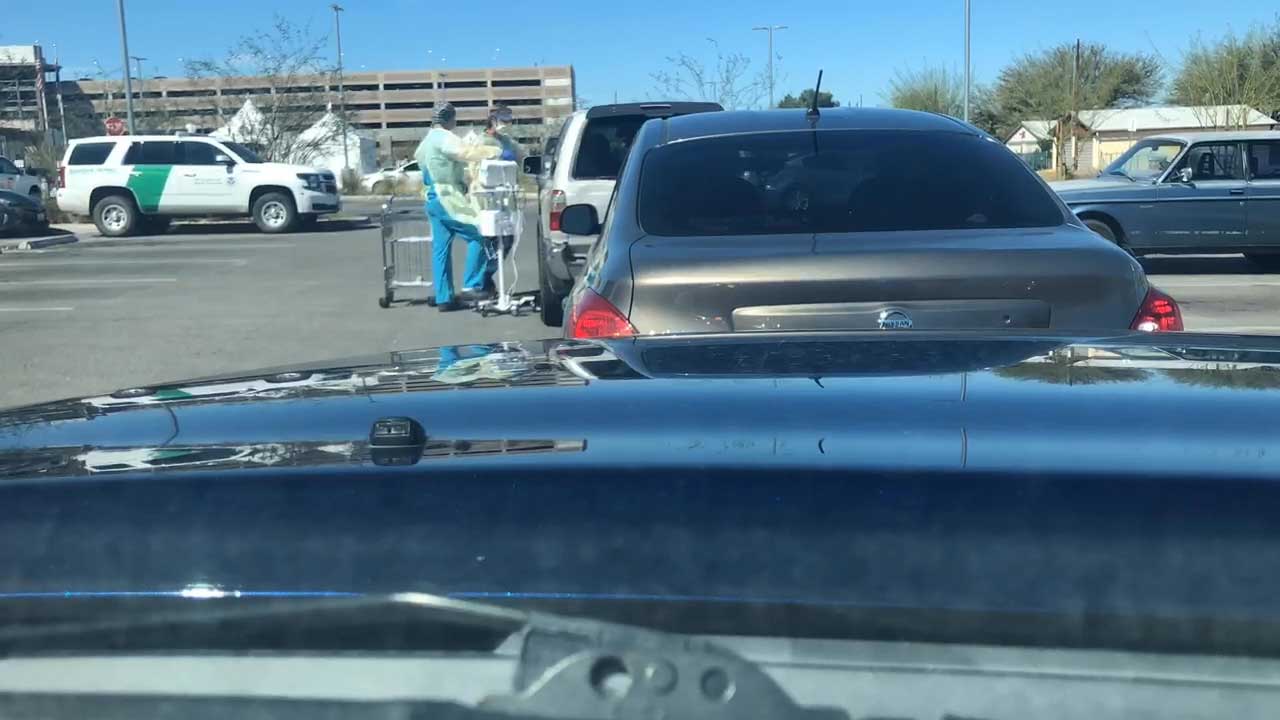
115, 126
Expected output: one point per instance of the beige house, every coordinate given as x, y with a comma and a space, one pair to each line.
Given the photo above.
1103, 135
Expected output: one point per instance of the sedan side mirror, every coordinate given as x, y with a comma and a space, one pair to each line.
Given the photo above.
1184, 176
580, 220
533, 165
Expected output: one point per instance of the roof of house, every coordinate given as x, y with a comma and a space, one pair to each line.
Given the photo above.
1147, 119
1172, 118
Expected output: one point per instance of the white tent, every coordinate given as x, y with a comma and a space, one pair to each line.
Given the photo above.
322, 145
247, 126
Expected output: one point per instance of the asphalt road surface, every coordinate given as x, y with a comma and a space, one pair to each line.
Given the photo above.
101, 315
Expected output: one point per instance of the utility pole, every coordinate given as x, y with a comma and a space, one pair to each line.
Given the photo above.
128, 82
57, 78
1075, 106
142, 91
770, 29
968, 61
342, 92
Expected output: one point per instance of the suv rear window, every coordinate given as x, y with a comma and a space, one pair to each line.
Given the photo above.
604, 145
155, 152
839, 181
90, 153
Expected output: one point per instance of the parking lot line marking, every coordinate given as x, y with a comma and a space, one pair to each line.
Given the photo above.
201, 246
87, 281
36, 309
98, 263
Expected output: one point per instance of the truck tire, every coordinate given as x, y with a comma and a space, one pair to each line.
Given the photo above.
275, 212
116, 216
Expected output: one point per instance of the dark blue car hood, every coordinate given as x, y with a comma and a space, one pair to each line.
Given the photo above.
1027, 479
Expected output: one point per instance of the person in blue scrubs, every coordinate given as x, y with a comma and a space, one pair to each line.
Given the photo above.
443, 158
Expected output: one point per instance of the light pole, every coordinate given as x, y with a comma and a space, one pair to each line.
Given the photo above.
968, 63
342, 92
142, 91
128, 81
770, 29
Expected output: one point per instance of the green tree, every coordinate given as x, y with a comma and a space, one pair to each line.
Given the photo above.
1039, 85
825, 100
1235, 70
930, 89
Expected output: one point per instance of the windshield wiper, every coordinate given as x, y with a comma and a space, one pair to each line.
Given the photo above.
567, 667
1122, 174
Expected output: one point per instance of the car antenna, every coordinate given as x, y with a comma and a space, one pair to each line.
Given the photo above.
812, 113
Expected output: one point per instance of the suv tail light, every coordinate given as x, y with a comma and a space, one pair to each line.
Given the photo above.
62, 176
595, 317
1159, 313
558, 204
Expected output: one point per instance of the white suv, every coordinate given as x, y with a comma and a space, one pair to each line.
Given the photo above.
137, 183
580, 165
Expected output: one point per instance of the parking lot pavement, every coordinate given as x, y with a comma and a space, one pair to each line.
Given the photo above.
104, 314
1219, 293
205, 299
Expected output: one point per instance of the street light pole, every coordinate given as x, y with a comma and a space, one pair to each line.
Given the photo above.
142, 91
770, 29
128, 82
342, 92
968, 63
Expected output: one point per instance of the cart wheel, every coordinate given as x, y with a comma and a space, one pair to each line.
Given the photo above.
384, 302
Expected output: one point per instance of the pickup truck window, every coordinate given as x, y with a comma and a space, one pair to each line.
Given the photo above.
1264, 160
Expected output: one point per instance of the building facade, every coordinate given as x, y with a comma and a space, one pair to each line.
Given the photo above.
395, 107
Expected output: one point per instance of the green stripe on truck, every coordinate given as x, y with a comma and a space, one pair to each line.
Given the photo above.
147, 183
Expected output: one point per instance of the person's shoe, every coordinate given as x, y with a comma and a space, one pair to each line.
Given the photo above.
474, 294
451, 306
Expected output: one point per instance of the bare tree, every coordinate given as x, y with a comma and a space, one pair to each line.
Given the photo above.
1228, 79
292, 85
729, 81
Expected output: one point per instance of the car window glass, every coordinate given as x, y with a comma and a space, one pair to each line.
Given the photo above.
1214, 161
8, 168
198, 153
1146, 161
411, 167
604, 145
839, 181
161, 152
90, 153
1264, 160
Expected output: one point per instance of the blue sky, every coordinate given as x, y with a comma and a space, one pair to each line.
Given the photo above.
619, 44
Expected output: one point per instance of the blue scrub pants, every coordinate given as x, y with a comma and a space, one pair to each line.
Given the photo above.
444, 229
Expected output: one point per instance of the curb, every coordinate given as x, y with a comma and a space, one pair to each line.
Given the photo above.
40, 243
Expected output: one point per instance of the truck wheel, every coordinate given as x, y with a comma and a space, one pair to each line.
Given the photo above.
115, 216
383, 187
550, 303
275, 212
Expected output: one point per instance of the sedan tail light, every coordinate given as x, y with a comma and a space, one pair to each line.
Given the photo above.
1159, 313
595, 317
558, 204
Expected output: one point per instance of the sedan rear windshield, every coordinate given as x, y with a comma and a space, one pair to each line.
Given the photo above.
839, 181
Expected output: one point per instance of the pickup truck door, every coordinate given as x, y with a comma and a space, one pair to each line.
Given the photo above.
1264, 193
9, 176
1208, 213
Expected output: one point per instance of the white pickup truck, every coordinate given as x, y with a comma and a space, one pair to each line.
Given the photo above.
13, 179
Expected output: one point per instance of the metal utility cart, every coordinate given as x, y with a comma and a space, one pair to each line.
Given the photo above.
406, 249
500, 222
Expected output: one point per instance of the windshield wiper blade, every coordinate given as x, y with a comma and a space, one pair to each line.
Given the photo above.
1122, 174
567, 667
